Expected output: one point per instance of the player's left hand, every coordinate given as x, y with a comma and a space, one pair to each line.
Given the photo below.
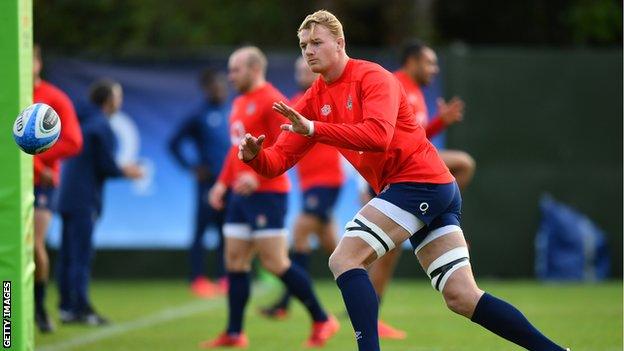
245, 184
451, 112
300, 124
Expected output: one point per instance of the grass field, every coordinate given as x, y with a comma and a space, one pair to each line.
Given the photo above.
162, 315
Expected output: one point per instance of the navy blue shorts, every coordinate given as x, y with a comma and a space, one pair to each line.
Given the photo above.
436, 205
320, 202
256, 215
44, 197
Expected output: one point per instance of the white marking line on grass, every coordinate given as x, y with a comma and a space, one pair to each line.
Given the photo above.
166, 315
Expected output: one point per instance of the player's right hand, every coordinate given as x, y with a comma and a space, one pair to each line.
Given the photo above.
215, 197
133, 171
249, 147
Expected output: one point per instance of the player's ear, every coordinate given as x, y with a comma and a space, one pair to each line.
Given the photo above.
340, 43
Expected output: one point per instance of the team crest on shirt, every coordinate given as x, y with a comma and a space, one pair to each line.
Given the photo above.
349, 103
325, 110
251, 108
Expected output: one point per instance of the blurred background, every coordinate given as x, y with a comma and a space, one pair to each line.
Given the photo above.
542, 84
541, 79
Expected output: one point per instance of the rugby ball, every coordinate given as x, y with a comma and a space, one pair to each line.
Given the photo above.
36, 128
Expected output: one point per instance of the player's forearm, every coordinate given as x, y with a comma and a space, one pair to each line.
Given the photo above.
227, 172
269, 163
435, 127
371, 135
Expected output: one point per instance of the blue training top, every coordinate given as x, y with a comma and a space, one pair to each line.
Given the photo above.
207, 129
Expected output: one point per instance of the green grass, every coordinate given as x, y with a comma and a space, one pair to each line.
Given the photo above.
162, 315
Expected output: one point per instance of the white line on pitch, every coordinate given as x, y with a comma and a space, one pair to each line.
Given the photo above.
147, 321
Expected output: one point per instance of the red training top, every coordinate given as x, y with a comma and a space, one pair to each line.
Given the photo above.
69, 142
366, 115
416, 99
321, 166
252, 113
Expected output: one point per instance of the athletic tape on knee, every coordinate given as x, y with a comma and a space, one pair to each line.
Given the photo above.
436, 233
442, 267
369, 232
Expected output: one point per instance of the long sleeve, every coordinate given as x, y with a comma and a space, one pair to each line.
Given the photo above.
380, 106
227, 171
176, 142
434, 127
277, 159
70, 140
104, 155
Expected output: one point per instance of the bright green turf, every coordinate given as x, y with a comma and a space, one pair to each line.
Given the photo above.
584, 317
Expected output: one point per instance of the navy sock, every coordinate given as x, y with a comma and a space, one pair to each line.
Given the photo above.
302, 259
361, 301
299, 284
238, 294
40, 289
506, 321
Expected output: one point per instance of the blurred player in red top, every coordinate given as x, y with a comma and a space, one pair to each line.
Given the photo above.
419, 65
362, 109
320, 178
46, 174
256, 207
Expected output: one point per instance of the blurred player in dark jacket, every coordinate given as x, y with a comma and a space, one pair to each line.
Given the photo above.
81, 199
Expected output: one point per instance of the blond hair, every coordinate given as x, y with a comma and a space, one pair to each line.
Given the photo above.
325, 19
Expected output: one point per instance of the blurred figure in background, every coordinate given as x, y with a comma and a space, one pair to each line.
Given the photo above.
207, 131
46, 174
256, 207
320, 179
419, 66
80, 201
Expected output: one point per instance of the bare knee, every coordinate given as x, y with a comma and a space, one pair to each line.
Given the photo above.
237, 261
461, 299
276, 264
469, 163
340, 263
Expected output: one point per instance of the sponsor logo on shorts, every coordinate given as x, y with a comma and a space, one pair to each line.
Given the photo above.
423, 207
349, 103
261, 221
312, 201
358, 335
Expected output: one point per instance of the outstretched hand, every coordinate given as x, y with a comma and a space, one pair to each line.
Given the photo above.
249, 147
451, 112
299, 124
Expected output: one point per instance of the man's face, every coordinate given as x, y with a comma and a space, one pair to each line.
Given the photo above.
217, 91
319, 48
36, 67
426, 66
303, 75
117, 98
240, 72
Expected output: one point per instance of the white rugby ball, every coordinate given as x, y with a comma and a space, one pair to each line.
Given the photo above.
36, 128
